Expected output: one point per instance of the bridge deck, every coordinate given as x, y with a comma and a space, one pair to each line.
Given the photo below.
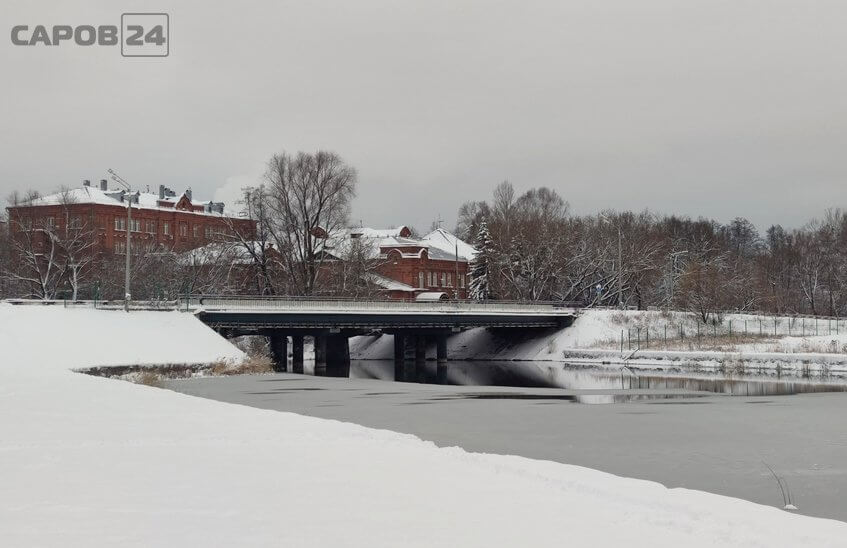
349, 314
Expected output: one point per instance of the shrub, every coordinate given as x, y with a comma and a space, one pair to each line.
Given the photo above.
149, 378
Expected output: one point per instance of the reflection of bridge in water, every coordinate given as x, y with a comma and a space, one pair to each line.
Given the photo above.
332, 322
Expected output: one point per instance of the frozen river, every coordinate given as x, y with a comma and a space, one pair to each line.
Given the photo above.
675, 429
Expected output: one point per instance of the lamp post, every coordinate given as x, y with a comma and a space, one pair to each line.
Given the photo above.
671, 269
456, 287
120, 180
620, 259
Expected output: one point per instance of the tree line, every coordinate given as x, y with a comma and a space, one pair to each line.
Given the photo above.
535, 249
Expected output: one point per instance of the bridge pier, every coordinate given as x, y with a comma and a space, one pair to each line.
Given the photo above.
338, 356
297, 354
278, 343
399, 357
441, 357
420, 358
320, 355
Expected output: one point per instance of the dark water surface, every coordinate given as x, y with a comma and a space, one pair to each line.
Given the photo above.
659, 381
680, 429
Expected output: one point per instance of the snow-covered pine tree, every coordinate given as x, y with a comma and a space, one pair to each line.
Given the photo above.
480, 288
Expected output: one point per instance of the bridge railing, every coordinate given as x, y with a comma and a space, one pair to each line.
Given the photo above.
226, 302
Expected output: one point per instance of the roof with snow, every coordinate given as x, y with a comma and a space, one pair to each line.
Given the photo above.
439, 244
389, 284
164, 200
449, 243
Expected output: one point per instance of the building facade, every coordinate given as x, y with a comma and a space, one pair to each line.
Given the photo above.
408, 268
160, 222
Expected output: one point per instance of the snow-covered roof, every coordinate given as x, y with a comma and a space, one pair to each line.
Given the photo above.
389, 284
439, 244
145, 200
368, 232
447, 242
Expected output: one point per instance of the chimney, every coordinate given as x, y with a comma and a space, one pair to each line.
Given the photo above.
188, 193
161, 192
103, 184
86, 182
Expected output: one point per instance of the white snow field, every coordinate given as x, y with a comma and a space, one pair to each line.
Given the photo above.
88, 461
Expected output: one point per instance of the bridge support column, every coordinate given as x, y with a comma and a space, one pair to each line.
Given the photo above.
441, 356
338, 356
420, 358
320, 355
399, 357
278, 343
297, 354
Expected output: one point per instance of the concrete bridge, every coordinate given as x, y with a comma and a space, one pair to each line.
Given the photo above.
331, 322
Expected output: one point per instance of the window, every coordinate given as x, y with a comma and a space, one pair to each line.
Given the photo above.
435, 279
50, 222
443, 279
449, 279
120, 223
462, 281
208, 232
120, 248
420, 279
183, 229
151, 227
135, 225
428, 279
166, 228
76, 222
195, 231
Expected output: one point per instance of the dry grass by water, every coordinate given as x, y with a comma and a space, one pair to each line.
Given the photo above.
252, 365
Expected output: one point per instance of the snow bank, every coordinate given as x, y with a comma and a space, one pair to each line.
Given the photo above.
66, 338
595, 337
88, 461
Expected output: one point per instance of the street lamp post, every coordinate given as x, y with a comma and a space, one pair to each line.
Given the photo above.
671, 269
118, 179
620, 267
620, 258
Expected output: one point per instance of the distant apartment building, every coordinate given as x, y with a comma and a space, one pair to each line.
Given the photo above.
162, 221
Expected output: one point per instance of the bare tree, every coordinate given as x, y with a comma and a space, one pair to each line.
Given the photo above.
306, 200
35, 257
77, 240
266, 264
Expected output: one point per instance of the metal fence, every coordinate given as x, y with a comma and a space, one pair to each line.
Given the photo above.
635, 338
98, 304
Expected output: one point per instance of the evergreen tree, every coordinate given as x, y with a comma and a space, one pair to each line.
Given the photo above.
480, 289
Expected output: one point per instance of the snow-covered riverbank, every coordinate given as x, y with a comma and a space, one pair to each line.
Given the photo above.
652, 338
88, 461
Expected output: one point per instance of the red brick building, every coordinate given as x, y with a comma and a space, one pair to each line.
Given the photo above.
408, 268
162, 221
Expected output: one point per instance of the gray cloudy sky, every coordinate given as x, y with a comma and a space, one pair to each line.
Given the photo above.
719, 108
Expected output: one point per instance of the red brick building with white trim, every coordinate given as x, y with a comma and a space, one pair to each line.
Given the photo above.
162, 221
411, 268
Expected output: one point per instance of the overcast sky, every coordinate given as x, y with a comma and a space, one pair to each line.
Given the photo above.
706, 108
